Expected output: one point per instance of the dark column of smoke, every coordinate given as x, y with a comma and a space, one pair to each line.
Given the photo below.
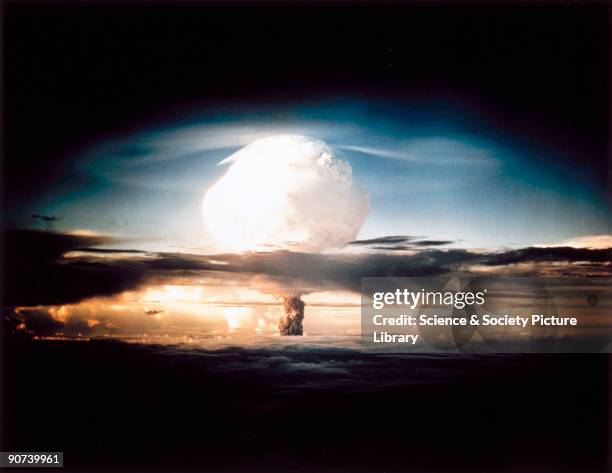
291, 323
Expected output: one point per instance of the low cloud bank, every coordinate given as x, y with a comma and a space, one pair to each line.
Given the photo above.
37, 272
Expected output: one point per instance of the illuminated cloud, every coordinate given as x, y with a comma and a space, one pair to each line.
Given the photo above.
437, 150
285, 192
587, 241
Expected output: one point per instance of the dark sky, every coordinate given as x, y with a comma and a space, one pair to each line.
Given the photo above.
76, 72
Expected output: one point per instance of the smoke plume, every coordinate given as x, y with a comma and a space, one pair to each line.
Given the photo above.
291, 323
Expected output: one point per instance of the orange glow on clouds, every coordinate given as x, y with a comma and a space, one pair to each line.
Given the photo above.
192, 311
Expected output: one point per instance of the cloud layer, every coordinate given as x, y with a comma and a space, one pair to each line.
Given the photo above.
45, 268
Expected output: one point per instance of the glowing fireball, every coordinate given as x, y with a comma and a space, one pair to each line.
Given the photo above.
285, 192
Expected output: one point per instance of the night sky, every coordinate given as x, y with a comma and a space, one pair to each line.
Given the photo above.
532, 76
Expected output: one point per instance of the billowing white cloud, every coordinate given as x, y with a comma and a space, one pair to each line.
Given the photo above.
285, 192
